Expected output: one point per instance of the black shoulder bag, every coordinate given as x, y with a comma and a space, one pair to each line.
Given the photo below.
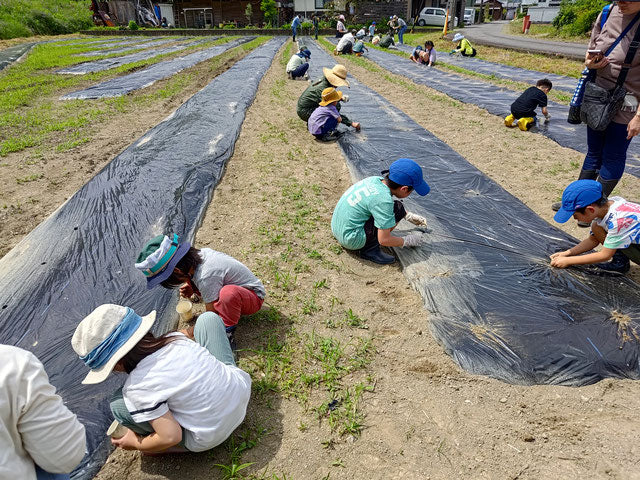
600, 105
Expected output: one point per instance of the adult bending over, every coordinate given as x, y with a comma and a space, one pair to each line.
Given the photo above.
312, 96
39, 437
180, 395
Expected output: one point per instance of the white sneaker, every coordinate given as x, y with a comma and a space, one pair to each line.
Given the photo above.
305, 76
416, 219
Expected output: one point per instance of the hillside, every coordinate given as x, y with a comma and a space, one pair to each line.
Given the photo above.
24, 18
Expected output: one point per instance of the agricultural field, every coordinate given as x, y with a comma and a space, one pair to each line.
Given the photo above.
348, 381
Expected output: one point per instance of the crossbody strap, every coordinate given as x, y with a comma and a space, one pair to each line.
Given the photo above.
622, 35
633, 48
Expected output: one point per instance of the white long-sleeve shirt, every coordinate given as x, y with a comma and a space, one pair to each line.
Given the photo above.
35, 426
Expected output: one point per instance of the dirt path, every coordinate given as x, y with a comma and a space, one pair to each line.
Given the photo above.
416, 414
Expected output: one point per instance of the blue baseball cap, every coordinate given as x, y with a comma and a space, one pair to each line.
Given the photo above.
405, 171
578, 194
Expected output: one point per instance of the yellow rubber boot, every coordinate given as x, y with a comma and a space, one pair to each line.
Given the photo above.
508, 121
525, 123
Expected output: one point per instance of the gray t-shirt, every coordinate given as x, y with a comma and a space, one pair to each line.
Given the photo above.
218, 270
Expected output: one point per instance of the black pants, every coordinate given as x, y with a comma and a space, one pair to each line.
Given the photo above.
371, 231
347, 49
472, 54
518, 115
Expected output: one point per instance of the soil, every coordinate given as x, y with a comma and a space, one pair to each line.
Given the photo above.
426, 418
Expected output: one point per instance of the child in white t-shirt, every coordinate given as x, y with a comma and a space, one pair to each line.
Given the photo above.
180, 395
615, 224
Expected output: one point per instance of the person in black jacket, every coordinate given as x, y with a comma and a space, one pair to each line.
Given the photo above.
523, 110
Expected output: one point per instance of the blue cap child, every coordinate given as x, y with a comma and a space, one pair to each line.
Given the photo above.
615, 223
367, 213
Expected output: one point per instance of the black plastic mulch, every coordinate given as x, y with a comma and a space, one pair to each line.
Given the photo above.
494, 303
83, 255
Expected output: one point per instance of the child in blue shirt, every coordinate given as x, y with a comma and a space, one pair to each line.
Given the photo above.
324, 120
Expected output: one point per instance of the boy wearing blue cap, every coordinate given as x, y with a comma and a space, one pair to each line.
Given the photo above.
366, 213
615, 223
226, 286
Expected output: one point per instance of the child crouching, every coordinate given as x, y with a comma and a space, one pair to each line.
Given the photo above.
324, 120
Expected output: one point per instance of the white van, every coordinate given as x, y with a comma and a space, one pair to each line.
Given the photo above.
469, 16
434, 16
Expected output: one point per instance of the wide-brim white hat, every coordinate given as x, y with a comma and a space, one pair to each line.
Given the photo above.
99, 325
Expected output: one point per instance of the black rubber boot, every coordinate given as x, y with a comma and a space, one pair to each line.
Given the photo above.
608, 185
584, 175
375, 255
618, 263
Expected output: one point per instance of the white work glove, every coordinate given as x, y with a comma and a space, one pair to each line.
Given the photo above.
418, 220
413, 240
345, 98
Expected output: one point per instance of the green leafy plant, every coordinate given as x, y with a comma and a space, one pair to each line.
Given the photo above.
133, 25
268, 8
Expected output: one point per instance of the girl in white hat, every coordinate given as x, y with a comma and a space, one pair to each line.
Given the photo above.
180, 395
463, 46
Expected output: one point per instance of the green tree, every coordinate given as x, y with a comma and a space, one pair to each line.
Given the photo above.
576, 17
270, 11
248, 13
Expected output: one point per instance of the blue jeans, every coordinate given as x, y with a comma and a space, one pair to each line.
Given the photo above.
401, 33
42, 475
300, 71
294, 31
607, 151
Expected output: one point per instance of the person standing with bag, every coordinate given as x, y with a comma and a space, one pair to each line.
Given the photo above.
615, 67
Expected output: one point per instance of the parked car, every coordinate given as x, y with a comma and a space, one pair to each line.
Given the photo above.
435, 16
469, 16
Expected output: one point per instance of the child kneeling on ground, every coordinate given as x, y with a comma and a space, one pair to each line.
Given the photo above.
299, 64
225, 285
180, 395
616, 225
324, 120
523, 110
359, 48
366, 213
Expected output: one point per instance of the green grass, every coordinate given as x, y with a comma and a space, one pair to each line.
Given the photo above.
24, 18
31, 114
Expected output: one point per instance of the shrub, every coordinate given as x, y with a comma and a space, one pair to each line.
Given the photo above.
576, 17
270, 11
10, 28
42, 23
133, 25
229, 26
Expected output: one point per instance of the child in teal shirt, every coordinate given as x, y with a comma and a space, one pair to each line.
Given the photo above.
367, 213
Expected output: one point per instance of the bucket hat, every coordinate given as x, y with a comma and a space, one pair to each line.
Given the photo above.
457, 37
405, 171
337, 75
106, 335
159, 257
330, 95
341, 18
305, 52
578, 194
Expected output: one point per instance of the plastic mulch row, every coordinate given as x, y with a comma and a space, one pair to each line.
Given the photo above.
495, 100
142, 44
108, 63
83, 255
494, 302
143, 78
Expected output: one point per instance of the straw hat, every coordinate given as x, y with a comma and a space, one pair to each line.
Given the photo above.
337, 76
106, 335
330, 95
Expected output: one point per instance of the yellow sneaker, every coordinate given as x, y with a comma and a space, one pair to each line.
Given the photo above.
525, 123
508, 121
